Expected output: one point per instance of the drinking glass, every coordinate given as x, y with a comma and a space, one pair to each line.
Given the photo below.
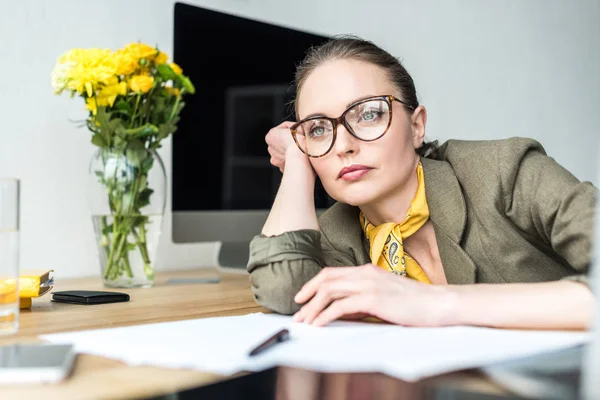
9, 256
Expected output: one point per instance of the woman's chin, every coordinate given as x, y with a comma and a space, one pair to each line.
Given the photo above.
356, 197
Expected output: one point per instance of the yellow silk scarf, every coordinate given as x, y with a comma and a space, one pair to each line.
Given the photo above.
386, 240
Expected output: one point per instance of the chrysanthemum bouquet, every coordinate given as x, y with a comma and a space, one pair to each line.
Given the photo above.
134, 97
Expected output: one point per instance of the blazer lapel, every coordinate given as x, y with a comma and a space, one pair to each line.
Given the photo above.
448, 214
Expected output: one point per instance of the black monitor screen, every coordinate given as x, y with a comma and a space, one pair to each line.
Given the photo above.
243, 72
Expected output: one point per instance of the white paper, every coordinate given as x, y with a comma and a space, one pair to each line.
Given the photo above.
221, 345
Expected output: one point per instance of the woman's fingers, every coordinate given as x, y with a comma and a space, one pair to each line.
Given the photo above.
309, 289
329, 273
329, 291
276, 162
286, 124
278, 140
351, 305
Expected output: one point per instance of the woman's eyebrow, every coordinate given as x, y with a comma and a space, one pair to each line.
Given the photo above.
317, 114
359, 99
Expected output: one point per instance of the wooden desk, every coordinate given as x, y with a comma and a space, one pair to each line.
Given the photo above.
96, 377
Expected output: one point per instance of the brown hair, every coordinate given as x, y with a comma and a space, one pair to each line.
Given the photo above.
352, 47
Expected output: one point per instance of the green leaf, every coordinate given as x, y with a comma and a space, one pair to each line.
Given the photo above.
142, 131
139, 220
118, 143
142, 183
100, 176
166, 72
159, 104
187, 84
136, 152
148, 130
144, 198
120, 132
131, 246
147, 164
107, 230
127, 203
99, 140
102, 117
164, 130
124, 107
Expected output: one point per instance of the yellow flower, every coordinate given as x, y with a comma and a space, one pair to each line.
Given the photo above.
141, 83
106, 95
109, 93
161, 58
176, 68
124, 62
82, 70
89, 79
140, 50
90, 103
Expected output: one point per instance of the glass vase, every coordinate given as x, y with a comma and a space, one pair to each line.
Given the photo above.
127, 197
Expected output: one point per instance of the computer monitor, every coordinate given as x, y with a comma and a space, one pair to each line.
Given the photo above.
223, 182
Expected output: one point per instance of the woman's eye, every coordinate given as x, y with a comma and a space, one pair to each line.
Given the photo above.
317, 131
370, 115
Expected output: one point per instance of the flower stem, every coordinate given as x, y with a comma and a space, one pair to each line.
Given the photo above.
135, 109
126, 263
104, 237
142, 245
113, 242
175, 106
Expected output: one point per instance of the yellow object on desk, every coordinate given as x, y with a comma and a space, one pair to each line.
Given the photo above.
33, 284
25, 302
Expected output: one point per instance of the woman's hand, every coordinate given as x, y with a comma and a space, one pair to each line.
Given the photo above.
281, 143
342, 292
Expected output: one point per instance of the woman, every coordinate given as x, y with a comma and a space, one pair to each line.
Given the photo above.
415, 226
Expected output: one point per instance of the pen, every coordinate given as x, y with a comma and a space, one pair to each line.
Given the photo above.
279, 337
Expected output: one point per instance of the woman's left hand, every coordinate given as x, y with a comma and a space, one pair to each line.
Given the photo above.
343, 292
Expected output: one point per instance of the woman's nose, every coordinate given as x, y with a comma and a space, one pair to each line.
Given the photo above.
345, 143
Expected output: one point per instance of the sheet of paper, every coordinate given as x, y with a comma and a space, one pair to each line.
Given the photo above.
222, 344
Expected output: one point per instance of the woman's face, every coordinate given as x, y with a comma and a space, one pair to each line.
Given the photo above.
384, 165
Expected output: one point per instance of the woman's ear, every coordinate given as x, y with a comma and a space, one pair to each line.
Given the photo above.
418, 122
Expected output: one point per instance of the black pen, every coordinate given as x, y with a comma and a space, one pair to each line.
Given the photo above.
279, 337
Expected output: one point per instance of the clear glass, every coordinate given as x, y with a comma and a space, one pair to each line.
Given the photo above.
9, 256
127, 197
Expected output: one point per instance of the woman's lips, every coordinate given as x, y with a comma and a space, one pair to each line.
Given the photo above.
353, 172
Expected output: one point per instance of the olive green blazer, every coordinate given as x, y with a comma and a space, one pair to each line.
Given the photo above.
502, 211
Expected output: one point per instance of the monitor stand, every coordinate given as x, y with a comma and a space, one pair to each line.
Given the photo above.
233, 256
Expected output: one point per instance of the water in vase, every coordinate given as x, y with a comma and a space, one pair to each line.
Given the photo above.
127, 247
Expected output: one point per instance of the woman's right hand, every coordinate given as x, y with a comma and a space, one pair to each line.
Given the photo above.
294, 205
281, 143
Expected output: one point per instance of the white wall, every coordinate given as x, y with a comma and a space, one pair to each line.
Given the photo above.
485, 69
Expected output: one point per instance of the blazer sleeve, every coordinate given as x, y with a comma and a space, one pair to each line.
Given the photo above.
544, 199
280, 265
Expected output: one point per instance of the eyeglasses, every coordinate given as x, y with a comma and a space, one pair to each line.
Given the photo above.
367, 120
